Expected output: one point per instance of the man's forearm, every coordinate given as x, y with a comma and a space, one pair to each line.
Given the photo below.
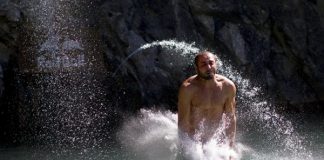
185, 129
231, 130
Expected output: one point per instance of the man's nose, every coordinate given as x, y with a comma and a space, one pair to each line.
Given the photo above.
209, 66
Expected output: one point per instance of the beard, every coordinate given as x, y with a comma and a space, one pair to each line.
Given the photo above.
206, 76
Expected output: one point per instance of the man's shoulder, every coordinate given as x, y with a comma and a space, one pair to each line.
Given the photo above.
189, 83
226, 82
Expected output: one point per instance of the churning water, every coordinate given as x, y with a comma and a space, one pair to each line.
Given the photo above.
154, 134
178, 47
262, 133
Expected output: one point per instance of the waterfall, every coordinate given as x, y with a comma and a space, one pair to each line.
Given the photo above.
62, 88
154, 134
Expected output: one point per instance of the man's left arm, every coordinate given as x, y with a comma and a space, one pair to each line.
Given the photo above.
230, 115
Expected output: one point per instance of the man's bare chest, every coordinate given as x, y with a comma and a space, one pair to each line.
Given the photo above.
208, 99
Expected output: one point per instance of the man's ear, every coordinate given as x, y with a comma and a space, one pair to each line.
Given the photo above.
196, 68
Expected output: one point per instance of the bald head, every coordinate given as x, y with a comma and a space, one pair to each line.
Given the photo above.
202, 54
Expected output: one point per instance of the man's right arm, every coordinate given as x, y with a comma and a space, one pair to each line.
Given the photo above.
184, 103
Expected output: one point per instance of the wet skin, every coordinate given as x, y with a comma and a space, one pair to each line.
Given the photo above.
203, 99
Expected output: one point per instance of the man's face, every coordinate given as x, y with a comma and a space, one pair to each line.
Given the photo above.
206, 66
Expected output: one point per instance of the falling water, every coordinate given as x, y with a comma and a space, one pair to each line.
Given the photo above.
154, 134
62, 103
179, 47
257, 112
69, 109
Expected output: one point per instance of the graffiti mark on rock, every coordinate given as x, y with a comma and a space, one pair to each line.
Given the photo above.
56, 55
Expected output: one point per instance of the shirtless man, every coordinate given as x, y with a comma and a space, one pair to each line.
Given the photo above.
203, 99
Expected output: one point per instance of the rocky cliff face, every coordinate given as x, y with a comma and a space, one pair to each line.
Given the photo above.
277, 44
9, 19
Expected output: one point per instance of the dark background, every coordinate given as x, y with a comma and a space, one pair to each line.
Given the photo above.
278, 45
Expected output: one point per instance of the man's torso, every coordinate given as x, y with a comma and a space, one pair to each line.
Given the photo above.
207, 107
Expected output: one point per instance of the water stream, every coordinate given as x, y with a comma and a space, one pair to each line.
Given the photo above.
263, 134
153, 134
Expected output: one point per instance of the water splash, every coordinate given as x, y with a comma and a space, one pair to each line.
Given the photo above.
258, 111
151, 129
64, 98
151, 135
154, 135
180, 47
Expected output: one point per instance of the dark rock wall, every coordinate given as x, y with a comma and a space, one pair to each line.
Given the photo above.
278, 44
10, 16
9, 20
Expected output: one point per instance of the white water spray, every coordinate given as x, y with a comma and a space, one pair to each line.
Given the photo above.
153, 135
179, 47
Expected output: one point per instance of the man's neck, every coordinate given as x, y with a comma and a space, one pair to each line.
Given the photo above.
207, 82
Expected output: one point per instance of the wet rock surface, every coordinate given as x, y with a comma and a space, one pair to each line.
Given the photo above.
277, 44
